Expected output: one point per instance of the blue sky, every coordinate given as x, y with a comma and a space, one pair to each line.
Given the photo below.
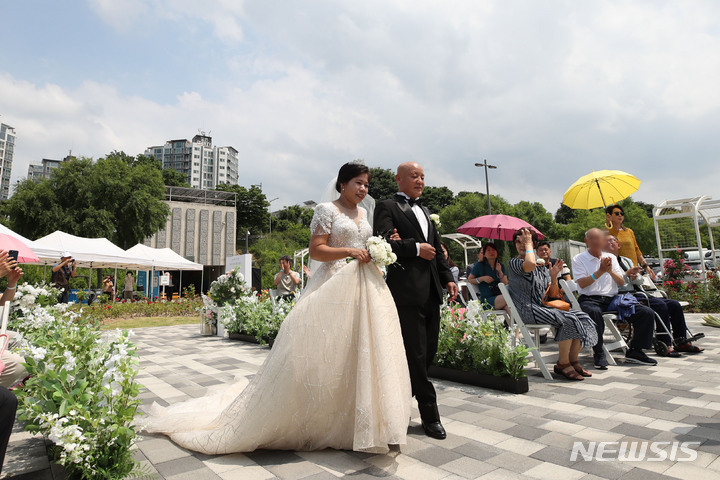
545, 90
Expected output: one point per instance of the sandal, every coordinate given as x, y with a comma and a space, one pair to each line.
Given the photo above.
688, 348
579, 369
567, 371
673, 353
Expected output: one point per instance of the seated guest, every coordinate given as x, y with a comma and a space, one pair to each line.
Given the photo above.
670, 311
529, 284
14, 371
487, 274
453, 268
8, 407
286, 281
470, 267
544, 252
598, 276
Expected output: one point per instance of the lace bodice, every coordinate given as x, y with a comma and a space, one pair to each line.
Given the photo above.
343, 231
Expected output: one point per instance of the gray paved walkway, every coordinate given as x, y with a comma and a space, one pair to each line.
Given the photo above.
490, 435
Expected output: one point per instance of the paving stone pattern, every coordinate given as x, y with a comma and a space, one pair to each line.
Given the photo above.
491, 435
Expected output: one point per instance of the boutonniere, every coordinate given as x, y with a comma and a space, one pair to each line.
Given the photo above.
435, 218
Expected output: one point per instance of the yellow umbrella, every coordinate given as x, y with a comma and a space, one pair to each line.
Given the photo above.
598, 189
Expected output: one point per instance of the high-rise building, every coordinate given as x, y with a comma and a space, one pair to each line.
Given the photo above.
205, 166
37, 172
7, 152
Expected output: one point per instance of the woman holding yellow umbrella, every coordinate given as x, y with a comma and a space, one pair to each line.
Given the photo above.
614, 218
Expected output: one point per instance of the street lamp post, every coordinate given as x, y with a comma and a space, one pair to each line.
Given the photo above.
487, 182
269, 202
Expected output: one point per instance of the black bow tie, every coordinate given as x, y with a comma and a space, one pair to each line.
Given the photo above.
410, 201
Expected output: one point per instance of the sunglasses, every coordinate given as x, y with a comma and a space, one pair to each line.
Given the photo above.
618, 214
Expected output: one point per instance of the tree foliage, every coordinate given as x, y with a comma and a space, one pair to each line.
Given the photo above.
382, 184
112, 198
252, 210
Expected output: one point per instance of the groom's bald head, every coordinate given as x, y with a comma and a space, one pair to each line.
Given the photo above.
410, 178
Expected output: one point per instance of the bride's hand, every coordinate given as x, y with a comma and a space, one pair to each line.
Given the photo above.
360, 255
395, 235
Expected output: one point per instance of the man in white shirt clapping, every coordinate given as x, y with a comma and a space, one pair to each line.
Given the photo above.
598, 276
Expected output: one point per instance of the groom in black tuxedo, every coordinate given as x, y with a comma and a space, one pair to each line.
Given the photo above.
416, 283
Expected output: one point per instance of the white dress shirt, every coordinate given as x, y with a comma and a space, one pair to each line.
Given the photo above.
421, 218
586, 264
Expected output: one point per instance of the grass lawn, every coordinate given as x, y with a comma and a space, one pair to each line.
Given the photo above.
140, 322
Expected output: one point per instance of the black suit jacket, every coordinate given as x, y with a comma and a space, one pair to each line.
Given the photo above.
412, 278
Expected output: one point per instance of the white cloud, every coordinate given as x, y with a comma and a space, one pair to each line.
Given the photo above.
546, 91
129, 15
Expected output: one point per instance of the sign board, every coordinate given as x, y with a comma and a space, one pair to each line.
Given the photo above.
165, 280
242, 263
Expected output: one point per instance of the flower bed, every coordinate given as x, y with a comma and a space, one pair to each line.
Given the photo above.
471, 343
703, 297
225, 292
142, 308
82, 393
258, 317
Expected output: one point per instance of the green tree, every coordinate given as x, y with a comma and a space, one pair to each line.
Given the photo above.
437, 198
536, 215
252, 210
173, 178
110, 198
647, 207
268, 249
564, 214
382, 184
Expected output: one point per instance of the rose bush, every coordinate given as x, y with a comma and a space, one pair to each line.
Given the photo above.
141, 308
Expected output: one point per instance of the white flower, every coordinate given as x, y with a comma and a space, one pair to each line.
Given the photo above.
435, 218
380, 251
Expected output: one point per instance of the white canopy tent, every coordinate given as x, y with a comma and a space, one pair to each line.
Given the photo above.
164, 259
87, 252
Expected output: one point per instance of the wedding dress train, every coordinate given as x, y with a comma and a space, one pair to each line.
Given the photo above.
336, 376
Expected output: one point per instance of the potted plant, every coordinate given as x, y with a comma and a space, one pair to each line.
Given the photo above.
475, 349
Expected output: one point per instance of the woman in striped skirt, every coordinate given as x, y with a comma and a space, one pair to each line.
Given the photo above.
528, 284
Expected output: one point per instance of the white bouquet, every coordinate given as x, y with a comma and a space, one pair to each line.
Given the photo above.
380, 251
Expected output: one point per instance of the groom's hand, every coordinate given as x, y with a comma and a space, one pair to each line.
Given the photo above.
427, 251
452, 289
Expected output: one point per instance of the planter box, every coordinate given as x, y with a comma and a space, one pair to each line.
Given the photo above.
249, 338
243, 337
505, 384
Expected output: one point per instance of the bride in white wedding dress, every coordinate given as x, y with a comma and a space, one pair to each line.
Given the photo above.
336, 376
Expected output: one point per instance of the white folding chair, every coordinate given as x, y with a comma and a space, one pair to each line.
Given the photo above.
273, 294
461, 298
473, 293
4, 338
570, 288
516, 322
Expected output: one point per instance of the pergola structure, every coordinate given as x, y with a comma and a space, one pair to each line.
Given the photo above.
678, 225
465, 241
300, 255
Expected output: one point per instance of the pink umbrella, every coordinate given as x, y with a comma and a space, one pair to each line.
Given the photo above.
25, 255
496, 227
